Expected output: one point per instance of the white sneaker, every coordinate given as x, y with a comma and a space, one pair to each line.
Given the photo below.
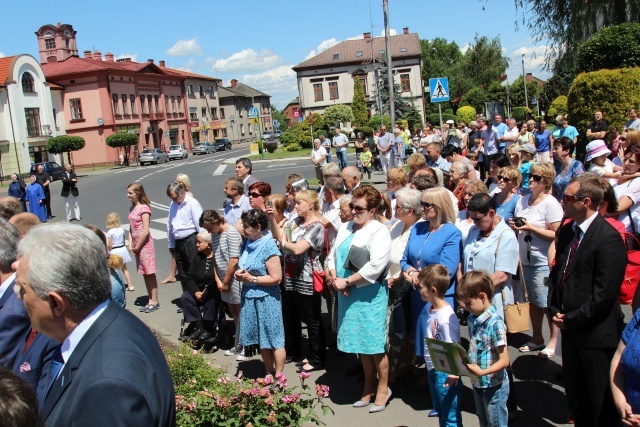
241, 357
231, 351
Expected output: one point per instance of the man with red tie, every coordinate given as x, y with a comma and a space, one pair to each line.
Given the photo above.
583, 301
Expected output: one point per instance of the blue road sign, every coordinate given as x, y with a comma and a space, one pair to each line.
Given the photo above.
253, 112
300, 119
439, 88
276, 123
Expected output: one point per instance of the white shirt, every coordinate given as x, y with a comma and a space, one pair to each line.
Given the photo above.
512, 133
331, 212
631, 189
442, 325
184, 220
6, 283
547, 212
340, 141
317, 155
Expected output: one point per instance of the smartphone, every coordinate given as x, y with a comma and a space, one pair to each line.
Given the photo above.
269, 203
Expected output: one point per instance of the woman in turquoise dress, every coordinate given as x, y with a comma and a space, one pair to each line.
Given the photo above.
358, 265
260, 271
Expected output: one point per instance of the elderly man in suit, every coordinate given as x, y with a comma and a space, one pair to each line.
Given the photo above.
583, 301
109, 369
70, 192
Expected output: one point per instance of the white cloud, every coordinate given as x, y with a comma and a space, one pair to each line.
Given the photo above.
279, 82
392, 32
533, 61
326, 44
185, 47
188, 67
464, 48
2, 55
133, 56
248, 60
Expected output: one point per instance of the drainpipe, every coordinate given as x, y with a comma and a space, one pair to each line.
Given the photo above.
13, 132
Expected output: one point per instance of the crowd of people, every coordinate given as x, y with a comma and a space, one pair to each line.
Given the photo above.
479, 219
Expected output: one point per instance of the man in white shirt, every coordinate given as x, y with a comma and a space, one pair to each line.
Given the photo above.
490, 140
634, 121
385, 144
511, 135
340, 142
182, 227
334, 190
318, 158
238, 202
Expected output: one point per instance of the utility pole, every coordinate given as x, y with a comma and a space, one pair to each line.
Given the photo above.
387, 38
524, 80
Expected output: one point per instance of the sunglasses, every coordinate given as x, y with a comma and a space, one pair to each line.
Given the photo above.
536, 178
478, 218
254, 195
427, 205
569, 198
356, 208
503, 178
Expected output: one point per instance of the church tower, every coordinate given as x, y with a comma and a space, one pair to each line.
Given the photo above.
56, 43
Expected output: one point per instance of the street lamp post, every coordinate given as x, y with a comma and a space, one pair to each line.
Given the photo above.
524, 80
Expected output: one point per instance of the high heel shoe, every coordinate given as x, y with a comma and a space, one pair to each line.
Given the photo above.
362, 404
376, 408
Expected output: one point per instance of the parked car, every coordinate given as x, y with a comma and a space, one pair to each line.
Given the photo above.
277, 134
152, 155
177, 152
52, 168
267, 135
203, 148
222, 144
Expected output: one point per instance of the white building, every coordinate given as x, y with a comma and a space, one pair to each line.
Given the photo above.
327, 78
30, 113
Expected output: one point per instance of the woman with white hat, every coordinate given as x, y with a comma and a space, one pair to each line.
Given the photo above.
598, 158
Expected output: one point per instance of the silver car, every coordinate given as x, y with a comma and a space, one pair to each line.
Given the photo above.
153, 155
203, 148
177, 152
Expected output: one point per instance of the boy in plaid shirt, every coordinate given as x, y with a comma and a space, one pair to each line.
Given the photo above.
488, 355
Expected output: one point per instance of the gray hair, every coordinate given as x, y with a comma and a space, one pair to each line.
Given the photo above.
246, 163
68, 259
461, 167
346, 199
331, 169
410, 199
334, 184
175, 188
9, 239
205, 236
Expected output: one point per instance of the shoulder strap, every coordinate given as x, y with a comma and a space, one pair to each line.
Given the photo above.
495, 254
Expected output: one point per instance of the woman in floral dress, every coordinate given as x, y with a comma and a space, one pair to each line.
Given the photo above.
141, 243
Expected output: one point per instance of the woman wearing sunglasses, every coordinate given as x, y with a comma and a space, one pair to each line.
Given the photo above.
539, 215
258, 192
509, 179
434, 241
357, 264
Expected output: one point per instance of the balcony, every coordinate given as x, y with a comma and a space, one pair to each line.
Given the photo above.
39, 133
156, 115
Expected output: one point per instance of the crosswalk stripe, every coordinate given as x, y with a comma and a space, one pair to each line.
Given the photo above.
219, 170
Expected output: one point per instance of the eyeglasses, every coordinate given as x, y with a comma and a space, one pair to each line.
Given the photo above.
399, 208
357, 208
536, 178
478, 218
504, 178
254, 195
427, 205
570, 198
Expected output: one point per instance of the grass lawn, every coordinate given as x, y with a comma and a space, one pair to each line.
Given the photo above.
280, 154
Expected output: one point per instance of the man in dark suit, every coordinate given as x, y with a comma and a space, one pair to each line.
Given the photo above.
44, 179
110, 370
14, 321
244, 168
70, 192
583, 301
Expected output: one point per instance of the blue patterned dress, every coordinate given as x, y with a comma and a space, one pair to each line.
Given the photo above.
362, 316
261, 306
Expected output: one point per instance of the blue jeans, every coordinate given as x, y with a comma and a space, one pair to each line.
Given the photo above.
329, 156
491, 404
445, 399
342, 158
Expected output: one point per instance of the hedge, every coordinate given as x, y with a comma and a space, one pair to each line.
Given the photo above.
466, 113
434, 119
520, 113
614, 92
617, 46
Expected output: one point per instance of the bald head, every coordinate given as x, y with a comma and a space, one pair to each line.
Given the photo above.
24, 222
9, 206
350, 177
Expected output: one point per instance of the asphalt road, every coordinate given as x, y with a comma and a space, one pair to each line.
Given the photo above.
539, 393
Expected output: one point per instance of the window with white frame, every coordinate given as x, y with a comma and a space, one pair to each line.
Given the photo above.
166, 103
193, 114
189, 90
76, 109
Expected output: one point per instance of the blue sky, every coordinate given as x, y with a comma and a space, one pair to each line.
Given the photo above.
257, 42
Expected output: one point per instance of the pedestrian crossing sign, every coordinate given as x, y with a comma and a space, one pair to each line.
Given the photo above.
439, 89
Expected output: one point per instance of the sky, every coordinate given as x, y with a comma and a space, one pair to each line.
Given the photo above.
257, 42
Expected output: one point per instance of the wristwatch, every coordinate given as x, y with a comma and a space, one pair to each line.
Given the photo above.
254, 280
347, 280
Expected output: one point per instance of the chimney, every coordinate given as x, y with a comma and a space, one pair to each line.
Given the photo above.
87, 54
150, 61
234, 83
162, 63
109, 57
367, 35
405, 30
97, 56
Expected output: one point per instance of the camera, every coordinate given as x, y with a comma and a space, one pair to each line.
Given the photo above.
300, 185
519, 221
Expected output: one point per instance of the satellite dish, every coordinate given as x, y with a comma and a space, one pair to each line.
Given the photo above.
100, 122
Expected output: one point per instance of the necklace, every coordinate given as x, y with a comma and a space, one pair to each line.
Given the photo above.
430, 232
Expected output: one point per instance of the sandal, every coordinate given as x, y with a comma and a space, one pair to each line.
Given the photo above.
150, 308
546, 353
529, 346
302, 362
130, 288
308, 368
168, 280
145, 308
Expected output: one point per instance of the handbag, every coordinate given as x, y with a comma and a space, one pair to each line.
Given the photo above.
318, 276
632, 269
516, 316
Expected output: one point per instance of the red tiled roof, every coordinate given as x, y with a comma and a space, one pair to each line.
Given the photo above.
188, 74
4, 68
76, 65
402, 45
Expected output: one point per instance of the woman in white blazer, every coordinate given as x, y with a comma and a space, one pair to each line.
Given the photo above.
358, 266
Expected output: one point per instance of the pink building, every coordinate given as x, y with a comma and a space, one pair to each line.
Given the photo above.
102, 96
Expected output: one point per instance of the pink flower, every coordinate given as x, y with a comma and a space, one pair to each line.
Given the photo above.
304, 375
239, 375
194, 352
322, 391
264, 392
266, 381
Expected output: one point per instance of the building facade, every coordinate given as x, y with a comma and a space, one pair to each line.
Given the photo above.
30, 114
327, 79
102, 96
292, 112
236, 104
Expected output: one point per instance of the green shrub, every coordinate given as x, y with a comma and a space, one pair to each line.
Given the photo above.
448, 111
520, 113
291, 135
270, 146
292, 147
559, 105
375, 122
538, 119
466, 113
366, 130
614, 92
612, 47
434, 119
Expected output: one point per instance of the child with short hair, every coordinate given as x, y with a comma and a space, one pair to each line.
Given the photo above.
473, 156
488, 355
115, 244
442, 325
365, 161
527, 151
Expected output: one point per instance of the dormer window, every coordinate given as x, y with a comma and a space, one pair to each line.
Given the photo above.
403, 49
336, 56
359, 53
27, 83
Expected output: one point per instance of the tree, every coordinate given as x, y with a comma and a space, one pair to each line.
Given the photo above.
306, 139
516, 92
359, 104
401, 106
496, 92
474, 98
375, 122
484, 61
280, 117
613, 47
466, 113
65, 144
413, 118
336, 114
123, 139
558, 106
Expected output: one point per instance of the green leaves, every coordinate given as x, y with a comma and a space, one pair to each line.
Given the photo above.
613, 47
336, 114
359, 104
64, 143
122, 139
